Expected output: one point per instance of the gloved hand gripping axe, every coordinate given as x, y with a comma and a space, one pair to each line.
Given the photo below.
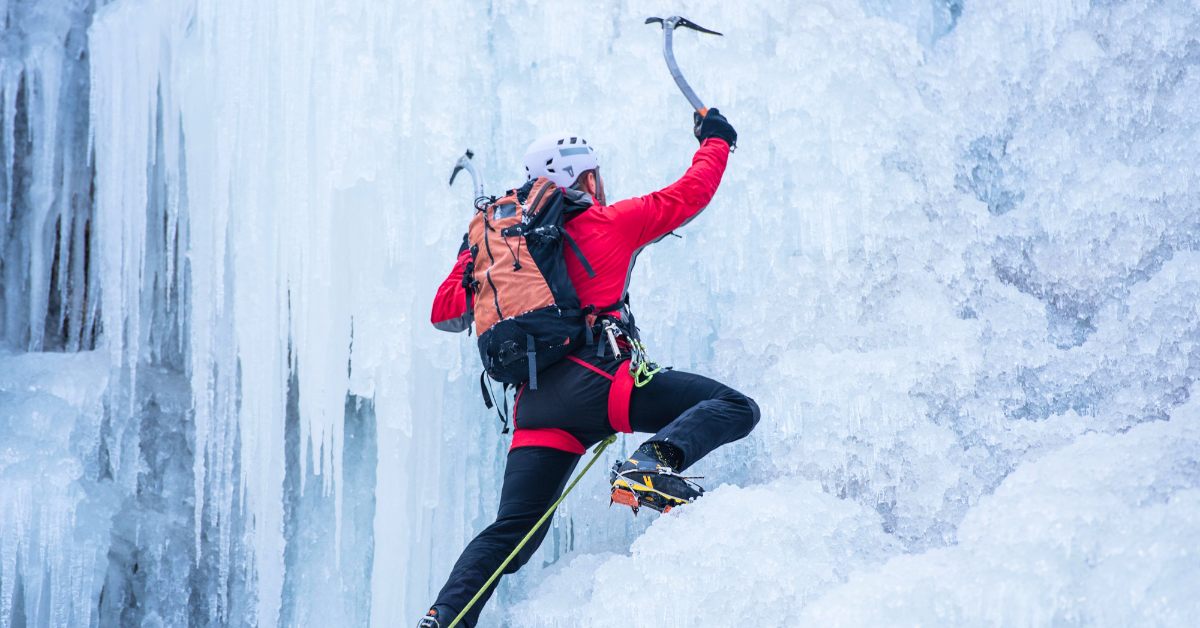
465, 163
669, 25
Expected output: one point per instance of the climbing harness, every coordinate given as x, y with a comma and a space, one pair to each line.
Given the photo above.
614, 329
598, 450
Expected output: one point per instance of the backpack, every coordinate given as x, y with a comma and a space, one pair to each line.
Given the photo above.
527, 313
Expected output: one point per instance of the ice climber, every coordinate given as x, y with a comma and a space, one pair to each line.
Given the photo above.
589, 395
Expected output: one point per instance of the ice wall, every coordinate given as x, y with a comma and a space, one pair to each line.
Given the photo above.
48, 295
954, 259
285, 220
937, 267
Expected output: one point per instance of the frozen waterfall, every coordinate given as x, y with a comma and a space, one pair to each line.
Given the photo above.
955, 259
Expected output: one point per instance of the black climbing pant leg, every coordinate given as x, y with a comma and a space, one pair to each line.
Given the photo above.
533, 478
692, 412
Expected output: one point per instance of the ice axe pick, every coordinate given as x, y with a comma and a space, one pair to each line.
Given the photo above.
465, 163
669, 25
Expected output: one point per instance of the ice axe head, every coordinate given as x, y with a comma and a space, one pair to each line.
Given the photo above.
669, 25
465, 163
461, 165
676, 21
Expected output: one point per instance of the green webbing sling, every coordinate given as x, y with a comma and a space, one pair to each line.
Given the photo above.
599, 450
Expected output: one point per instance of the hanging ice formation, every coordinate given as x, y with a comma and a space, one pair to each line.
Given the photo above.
954, 259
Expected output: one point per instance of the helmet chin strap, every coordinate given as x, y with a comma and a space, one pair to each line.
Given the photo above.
600, 189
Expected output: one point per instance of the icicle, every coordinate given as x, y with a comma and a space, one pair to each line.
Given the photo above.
42, 104
10, 76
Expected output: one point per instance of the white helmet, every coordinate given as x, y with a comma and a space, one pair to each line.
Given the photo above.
560, 157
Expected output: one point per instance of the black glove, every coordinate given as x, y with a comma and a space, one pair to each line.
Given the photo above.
714, 125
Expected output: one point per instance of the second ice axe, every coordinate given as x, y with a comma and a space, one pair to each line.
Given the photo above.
465, 163
669, 25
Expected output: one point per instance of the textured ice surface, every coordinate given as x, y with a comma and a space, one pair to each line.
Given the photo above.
762, 551
54, 528
954, 258
976, 253
1103, 532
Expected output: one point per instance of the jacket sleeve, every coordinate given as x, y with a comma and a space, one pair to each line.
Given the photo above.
452, 307
646, 219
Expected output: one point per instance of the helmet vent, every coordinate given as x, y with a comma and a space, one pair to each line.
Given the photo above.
550, 170
549, 161
560, 141
573, 139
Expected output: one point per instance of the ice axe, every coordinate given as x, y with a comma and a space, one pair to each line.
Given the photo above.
669, 25
465, 163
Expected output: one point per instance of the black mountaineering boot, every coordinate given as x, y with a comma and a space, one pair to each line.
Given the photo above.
648, 478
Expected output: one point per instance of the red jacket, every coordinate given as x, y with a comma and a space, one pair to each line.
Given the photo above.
610, 237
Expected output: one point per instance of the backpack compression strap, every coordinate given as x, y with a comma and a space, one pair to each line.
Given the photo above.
487, 400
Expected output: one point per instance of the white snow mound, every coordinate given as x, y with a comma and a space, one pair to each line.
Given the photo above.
1103, 532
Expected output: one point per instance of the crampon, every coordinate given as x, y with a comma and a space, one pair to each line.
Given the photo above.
657, 487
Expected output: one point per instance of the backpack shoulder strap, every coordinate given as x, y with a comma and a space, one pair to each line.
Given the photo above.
578, 253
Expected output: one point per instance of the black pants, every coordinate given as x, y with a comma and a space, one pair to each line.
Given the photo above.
691, 412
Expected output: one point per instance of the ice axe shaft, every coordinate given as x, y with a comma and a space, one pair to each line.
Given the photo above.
669, 25
465, 163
